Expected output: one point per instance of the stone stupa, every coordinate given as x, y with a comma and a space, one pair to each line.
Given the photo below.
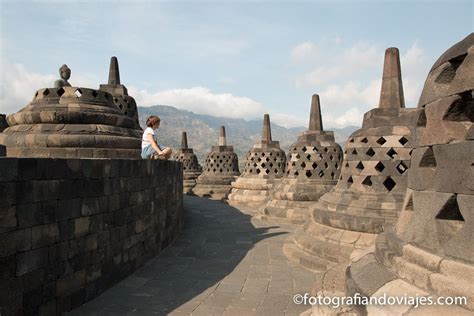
191, 167
372, 185
221, 168
430, 250
265, 164
119, 92
313, 167
71, 122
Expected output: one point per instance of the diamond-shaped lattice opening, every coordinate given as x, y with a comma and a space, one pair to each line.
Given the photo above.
221, 170
389, 184
347, 165
351, 140
332, 175
392, 153
325, 149
259, 159
304, 149
78, 93
402, 168
271, 165
321, 174
297, 173
450, 210
336, 165
354, 151
275, 170
46, 92
314, 165
360, 166
308, 157
403, 140
350, 180
331, 157
315, 149
271, 154
60, 91
36, 94
367, 181
258, 171
255, 165
293, 163
303, 165
326, 165
267, 171
309, 173
263, 154
364, 140
370, 152
298, 156
263, 165
381, 141
267, 159
379, 166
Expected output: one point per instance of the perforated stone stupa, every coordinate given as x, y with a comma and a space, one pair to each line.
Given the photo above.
372, 185
119, 92
313, 167
71, 122
430, 251
265, 164
221, 168
191, 167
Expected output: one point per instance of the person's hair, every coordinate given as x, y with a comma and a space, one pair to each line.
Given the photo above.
152, 120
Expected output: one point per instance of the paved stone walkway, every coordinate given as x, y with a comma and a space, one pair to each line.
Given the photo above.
224, 263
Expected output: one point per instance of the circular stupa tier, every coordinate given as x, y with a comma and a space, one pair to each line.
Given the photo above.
264, 164
313, 167
220, 169
191, 167
430, 250
372, 185
71, 122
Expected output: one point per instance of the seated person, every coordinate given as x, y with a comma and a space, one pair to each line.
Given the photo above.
150, 147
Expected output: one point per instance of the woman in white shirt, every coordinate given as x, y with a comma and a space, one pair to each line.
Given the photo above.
150, 147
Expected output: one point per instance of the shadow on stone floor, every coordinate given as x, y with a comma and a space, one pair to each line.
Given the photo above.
215, 239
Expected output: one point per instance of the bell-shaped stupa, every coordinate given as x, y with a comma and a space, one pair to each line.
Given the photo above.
313, 166
265, 164
221, 168
191, 167
372, 185
119, 92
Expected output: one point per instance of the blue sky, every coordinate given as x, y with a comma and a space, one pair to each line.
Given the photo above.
230, 58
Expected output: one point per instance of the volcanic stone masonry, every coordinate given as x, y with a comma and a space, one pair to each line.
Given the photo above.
430, 251
119, 92
313, 167
191, 167
221, 168
265, 163
71, 122
370, 191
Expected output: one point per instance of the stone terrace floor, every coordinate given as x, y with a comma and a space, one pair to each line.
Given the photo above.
224, 263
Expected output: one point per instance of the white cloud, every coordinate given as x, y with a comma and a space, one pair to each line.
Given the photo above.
352, 117
357, 60
304, 51
288, 121
201, 100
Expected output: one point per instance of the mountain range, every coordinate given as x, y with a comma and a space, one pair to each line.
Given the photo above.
203, 130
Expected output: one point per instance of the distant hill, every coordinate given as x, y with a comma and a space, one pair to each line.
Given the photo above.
203, 130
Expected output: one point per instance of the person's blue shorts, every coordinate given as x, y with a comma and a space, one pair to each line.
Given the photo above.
148, 151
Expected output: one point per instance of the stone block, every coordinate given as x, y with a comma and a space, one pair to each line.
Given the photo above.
70, 283
94, 205
31, 260
81, 226
8, 169
44, 235
8, 220
15, 241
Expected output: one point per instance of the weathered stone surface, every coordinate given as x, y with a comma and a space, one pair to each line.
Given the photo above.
265, 164
59, 249
372, 183
66, 122
220, 169
191, 167
313, 166
431, 247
